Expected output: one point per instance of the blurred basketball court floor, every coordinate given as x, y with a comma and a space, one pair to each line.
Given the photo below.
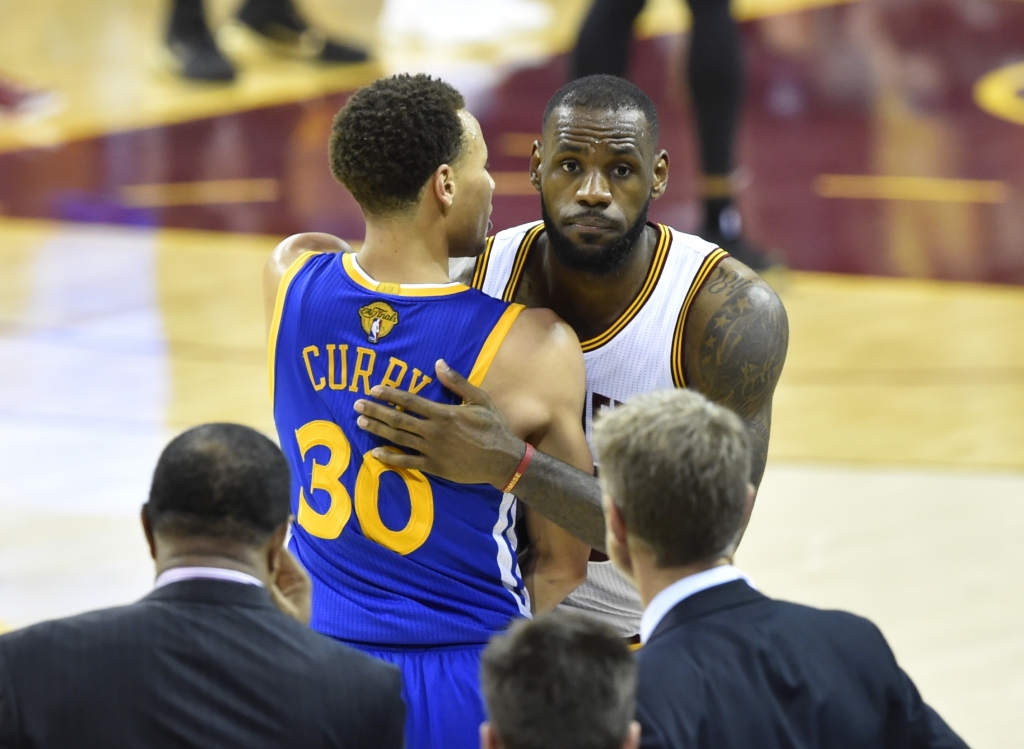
882, 153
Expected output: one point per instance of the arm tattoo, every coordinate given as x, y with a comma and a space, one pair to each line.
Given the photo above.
566, 496
738, 359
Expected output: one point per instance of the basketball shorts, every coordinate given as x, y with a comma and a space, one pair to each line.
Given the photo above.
441, 687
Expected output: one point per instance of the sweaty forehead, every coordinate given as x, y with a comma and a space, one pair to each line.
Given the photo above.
619, 128
472, 135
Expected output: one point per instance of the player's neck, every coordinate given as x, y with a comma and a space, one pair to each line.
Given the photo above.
195, 553
589, 302
408, 250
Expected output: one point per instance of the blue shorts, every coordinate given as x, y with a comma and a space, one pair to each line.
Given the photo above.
441, 687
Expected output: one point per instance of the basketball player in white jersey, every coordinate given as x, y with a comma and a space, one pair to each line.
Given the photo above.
653, 308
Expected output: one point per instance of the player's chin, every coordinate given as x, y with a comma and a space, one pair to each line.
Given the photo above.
469, 248
590, 245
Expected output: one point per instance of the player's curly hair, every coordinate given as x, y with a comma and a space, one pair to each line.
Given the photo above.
390, 137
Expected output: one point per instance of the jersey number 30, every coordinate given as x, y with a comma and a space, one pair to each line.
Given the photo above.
328, 478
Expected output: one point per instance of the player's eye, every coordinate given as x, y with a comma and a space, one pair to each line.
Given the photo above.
622, 171
570, 166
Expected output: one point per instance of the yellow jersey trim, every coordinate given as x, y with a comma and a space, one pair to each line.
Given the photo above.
480, 269
360, 276
490, 348
650, 283
520, 263
678, 366
275, 320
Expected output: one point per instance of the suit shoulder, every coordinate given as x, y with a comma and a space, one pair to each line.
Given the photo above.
668, 658
831, 619
859, 638
70, 632
84, 621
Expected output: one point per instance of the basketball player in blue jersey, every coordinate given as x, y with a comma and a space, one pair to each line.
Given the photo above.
653, 308
413, 569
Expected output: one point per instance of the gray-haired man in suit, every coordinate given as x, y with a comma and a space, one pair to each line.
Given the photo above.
722, 665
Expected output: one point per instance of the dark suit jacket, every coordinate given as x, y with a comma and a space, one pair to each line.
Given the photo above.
197, 663
729, 668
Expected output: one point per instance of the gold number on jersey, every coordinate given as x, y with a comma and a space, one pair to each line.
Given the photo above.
421, 500
325, 477
328, 478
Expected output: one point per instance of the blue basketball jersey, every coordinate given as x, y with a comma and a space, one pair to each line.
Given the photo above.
398, 558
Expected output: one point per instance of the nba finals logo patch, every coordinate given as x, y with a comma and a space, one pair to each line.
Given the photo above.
377, 319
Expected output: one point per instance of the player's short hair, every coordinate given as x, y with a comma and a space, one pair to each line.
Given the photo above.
677, 466
220, 481
562, 679
607, 92
390, 137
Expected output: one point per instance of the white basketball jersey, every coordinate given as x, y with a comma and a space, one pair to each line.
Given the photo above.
639, 352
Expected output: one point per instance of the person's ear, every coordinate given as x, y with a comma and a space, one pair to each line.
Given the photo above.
488, 736
535, 160
660, 175
748, 509
633, 737
615, 521
275, 545
442, 185
148, 530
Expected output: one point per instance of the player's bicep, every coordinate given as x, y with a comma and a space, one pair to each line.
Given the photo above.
561, 380
736, 341
735, 347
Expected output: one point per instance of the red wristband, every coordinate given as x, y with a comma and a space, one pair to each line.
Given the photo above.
520, 469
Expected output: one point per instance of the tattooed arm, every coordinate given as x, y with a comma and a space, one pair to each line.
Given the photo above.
734, 348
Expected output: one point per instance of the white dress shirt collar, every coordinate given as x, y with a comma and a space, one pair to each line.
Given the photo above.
177, 574
667, 599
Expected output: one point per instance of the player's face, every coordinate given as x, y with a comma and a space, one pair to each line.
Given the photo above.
470, 218
597, 172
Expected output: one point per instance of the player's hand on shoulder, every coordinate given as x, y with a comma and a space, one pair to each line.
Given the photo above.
535, 385
468, 444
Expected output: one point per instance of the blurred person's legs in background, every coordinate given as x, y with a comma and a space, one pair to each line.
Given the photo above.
715, 76
274, 22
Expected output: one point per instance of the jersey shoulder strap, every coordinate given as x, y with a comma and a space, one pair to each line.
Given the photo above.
695, 261
499, 268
